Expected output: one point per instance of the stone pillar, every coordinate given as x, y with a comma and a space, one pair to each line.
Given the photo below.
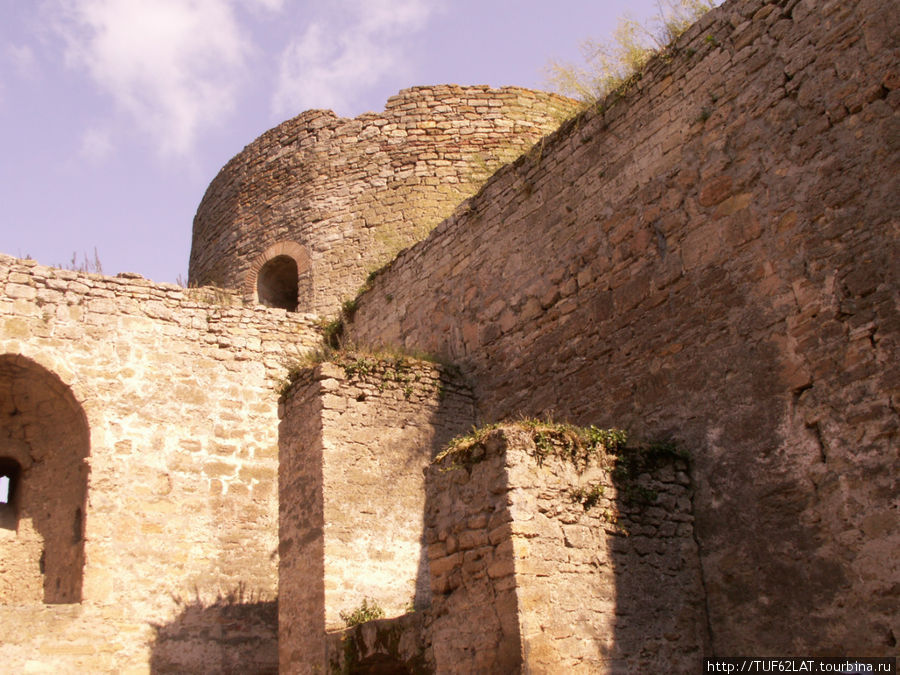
544, 564
355, 437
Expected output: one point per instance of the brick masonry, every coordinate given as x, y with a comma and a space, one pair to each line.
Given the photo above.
711, 257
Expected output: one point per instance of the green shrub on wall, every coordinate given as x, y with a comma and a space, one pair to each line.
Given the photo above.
612, 64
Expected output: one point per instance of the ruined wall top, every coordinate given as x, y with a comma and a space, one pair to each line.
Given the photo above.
320, 201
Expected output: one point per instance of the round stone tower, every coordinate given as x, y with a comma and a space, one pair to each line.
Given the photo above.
300, 216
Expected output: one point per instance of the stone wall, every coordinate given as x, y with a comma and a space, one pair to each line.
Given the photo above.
144, 419
544, 564
711, 256
354, 439
400, 645
340, 197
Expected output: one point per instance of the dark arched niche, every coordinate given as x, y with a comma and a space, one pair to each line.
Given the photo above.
276, 283
281, 277
379, 664
44, 445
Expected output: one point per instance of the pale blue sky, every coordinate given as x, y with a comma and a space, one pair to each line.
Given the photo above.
116, 114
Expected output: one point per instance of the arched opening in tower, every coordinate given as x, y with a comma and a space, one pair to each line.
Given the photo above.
276, 283
44, 445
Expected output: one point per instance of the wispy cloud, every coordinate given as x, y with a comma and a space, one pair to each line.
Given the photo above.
357, 44
96, 145
16, 60
173, 66
21, 57
271, 5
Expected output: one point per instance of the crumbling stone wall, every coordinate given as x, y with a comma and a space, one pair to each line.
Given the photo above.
175, 392
543, 565
534, 561
711, 256
399, 645
471, 559
354, 439
340, 196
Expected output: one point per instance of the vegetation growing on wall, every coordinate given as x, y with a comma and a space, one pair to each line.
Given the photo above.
612, 64
365, 612
581, 446
389, 365
85, 265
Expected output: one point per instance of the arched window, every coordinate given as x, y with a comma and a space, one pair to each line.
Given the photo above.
276, 283
44, 443
281, 276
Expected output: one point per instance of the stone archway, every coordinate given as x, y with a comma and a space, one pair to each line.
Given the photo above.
280, 277
44, 445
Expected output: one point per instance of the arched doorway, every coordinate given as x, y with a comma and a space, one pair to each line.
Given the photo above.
44, 445
276, 283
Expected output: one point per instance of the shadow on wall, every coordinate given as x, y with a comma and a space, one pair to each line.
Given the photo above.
551, 553
402, 643
44, 445
228, 635
396, 646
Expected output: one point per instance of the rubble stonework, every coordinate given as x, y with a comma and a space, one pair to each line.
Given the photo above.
712, 257
542, 564
342, 196
707, 257
355, 437
163, 399
537, 563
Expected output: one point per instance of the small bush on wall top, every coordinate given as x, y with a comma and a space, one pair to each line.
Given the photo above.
365, 612
613, 63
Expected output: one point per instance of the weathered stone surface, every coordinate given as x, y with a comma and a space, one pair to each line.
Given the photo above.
397, 645
722, 240
342, 196
581, 577
144, 419
709, 258
354, 439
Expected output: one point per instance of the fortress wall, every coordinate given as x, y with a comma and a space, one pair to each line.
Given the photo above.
354, 439
175, 390
712, 258
353, 192
541, 563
